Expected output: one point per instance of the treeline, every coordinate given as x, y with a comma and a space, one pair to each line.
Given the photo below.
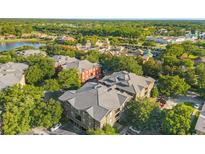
129, 32
13, 29
103, 28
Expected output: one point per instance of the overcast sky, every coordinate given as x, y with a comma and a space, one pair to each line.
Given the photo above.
102, 9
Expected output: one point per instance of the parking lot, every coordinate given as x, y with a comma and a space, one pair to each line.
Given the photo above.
62, 132
67, 129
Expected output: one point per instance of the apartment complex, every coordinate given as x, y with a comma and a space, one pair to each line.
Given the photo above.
86, 69
96, 104
11, 74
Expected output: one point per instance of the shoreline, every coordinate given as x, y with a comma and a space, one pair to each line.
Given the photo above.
23, 40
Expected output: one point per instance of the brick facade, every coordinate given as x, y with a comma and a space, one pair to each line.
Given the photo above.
87, 70
89, 74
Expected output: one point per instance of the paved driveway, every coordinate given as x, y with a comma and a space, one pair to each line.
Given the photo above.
190, 97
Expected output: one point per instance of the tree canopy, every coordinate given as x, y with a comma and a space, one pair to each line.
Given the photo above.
24, 108
151, 68
107, 130
154, 92
92, 56
121, 63
69, 79
200, 71
41, 68
51, 85
139, 113
172, 86
177, 121
174, 50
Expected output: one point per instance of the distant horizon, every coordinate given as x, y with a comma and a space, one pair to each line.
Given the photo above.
124, 19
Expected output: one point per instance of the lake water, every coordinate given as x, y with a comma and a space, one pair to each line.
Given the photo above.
11, 45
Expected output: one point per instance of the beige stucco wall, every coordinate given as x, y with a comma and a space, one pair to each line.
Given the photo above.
22, 81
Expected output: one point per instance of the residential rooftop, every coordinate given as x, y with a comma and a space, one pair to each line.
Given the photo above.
11, 73
128, 82
27, 53
67, 62
95, 99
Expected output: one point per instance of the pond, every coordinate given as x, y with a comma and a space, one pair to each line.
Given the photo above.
4, 46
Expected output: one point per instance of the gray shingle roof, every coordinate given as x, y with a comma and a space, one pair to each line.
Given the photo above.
27, 53
67, 62
128, 82
200, 125
96, 99
11, 73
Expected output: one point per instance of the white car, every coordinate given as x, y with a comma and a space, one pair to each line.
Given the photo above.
196, 106
132, 130
55, 127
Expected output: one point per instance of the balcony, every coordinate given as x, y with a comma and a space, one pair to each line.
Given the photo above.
117, 116
118, 111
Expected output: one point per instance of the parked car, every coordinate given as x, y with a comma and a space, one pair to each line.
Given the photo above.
132, 131
162, 105
196, 106
55, 127
161, 100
